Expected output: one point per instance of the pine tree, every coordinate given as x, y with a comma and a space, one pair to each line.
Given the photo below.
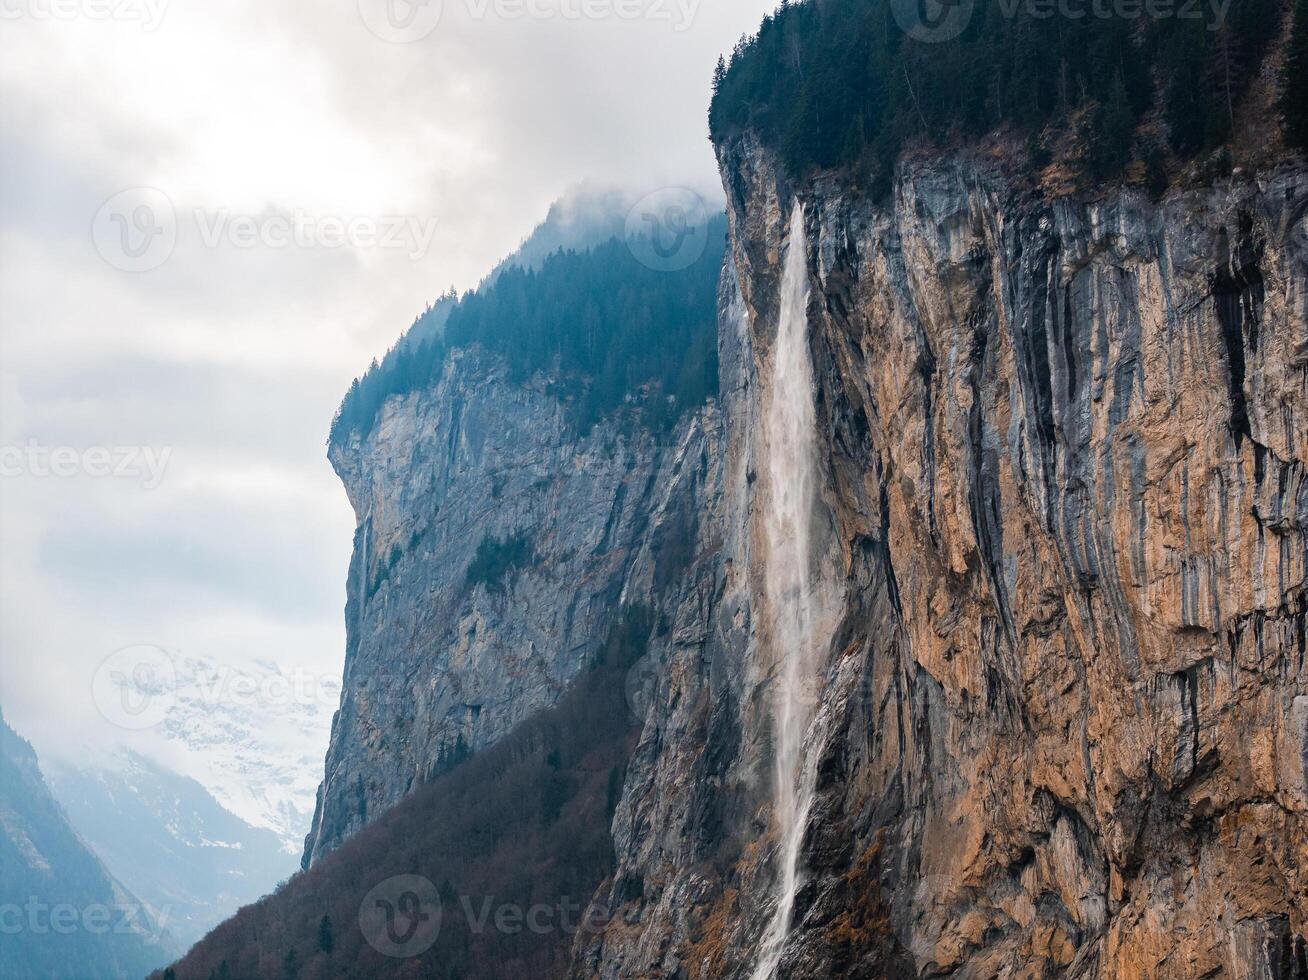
614, 790
1187, 97
1224, 72
1114, 129
326, 941
1294, 80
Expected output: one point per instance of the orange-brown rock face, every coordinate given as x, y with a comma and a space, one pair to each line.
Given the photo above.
1064, 725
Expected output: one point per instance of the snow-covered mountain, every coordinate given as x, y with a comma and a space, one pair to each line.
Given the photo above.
251, 733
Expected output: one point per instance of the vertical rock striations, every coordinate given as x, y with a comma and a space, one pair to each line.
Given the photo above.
1063, 729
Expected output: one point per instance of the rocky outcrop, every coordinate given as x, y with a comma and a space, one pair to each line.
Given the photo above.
495, 548
1062, 729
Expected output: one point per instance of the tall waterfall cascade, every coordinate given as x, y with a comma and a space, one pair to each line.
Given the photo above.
794, 599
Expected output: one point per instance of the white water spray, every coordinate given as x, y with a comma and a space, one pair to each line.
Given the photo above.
790, 435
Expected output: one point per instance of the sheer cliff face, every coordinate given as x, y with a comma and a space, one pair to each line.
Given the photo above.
441, 661
1063, 724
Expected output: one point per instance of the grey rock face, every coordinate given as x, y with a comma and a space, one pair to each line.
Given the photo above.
1062, 727
439, 662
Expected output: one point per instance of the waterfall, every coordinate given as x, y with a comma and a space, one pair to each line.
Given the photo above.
797, 617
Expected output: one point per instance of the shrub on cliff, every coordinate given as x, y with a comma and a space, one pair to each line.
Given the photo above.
496, 559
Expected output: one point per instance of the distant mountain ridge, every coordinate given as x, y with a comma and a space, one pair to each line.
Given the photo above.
63, 916
167, 839
255, 755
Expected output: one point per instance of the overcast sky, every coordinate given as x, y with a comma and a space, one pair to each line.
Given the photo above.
314, 174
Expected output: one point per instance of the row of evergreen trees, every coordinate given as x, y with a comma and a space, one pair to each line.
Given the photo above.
1294, 79
839, 84
600, 323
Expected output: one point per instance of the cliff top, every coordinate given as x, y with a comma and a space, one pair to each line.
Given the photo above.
604, 323
1091, 90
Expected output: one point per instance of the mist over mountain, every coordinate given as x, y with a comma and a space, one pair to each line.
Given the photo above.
63, 915
585, 215
612, 323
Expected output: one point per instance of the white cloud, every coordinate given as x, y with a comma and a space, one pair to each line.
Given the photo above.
235, 358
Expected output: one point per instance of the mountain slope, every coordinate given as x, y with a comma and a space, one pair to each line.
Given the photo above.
247, 730
168, 840
256, 754
64, 915
498, 855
